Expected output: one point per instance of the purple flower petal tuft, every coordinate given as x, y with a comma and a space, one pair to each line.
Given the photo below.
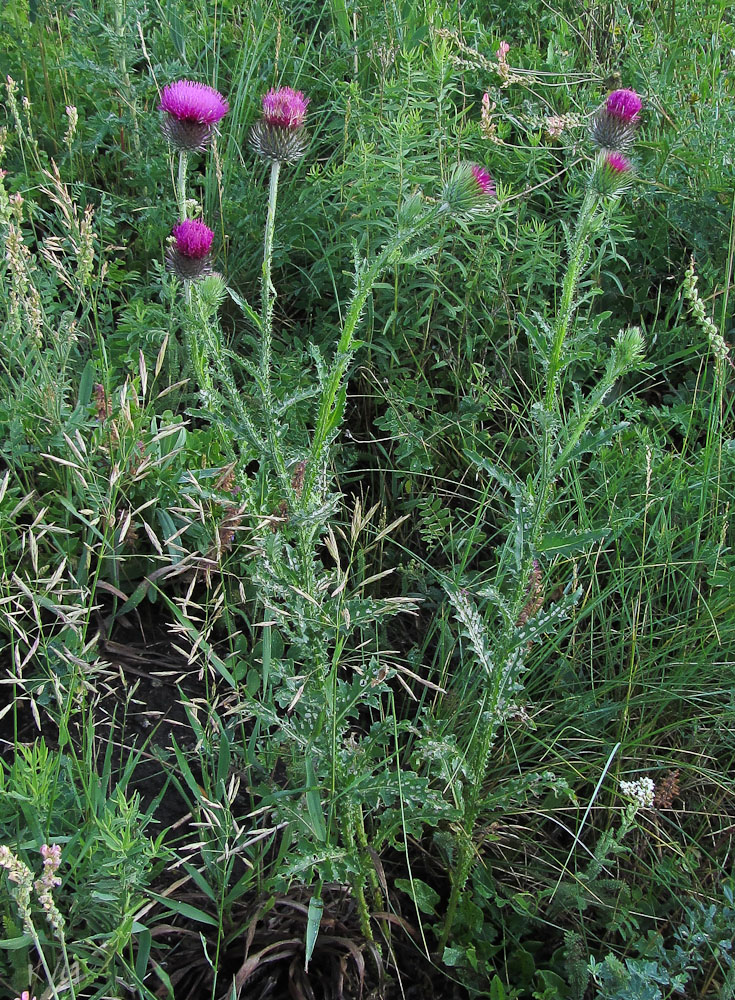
625, 104
193, 238
188, 101
285, 108
618, 163
484, 180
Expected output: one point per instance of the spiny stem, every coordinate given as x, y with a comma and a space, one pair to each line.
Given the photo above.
269, 296
269, 292
569, 290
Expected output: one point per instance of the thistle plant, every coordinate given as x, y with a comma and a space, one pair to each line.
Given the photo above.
319, 615
502, 649
191, 113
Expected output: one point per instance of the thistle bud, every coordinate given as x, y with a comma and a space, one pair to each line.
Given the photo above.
470, 189
612, 173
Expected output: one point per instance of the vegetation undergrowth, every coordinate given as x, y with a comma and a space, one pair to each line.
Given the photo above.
367, 463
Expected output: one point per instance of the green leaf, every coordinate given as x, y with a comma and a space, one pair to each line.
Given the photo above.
497, 990
186, 910
425, 898
246, 308
314, 919
11, 944
224, 758
143, 953
85, 384
507, 481
564, 543
314, 802
591, 443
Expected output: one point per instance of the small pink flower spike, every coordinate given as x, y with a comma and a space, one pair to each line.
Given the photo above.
25, 995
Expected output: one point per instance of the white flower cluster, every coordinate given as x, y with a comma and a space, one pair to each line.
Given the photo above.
642, 790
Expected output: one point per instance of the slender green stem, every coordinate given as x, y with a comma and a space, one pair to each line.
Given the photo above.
47, 971
329, 413
181, 183
563, 322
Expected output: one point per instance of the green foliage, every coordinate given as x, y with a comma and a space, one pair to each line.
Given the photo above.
429, 534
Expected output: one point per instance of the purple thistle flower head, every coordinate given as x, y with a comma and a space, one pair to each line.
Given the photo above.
285, 108
194, 102
193, 238
189, 257
281, 136
484, 180
191, 112
615, 123
625, 104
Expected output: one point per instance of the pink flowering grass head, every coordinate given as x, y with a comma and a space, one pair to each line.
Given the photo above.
470, 189
191, 112
25, 995
280, 136
615, 123
625, 104
189, 257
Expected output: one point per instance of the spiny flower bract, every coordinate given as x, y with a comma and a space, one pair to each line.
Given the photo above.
612, 172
